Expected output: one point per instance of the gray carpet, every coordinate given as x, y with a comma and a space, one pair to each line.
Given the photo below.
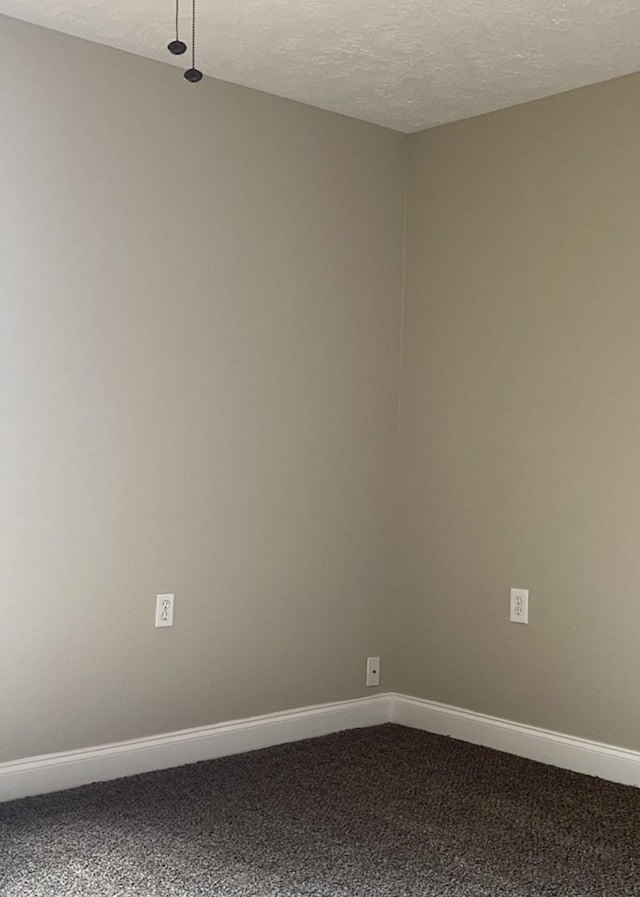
385, 812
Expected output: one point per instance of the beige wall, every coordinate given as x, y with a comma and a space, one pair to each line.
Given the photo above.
199, 351
199, 317
520, 448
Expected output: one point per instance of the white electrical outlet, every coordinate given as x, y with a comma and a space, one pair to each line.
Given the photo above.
519, 606
164, 610
373, 671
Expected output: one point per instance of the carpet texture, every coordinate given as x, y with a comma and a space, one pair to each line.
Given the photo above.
381, 812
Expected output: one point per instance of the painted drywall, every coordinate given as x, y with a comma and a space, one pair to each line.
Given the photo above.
199, 317
199, 351
520, 430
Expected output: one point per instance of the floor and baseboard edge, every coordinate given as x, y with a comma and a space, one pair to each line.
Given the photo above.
578, 754
56, 772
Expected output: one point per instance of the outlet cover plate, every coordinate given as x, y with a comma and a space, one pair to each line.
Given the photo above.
164, 609
373, 671
519, 606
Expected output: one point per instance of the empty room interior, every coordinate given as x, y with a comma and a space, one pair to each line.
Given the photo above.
320, 448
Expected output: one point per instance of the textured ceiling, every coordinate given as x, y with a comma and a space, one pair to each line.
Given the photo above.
406, 64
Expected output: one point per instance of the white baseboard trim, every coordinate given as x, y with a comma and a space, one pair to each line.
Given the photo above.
55, 772
578, 754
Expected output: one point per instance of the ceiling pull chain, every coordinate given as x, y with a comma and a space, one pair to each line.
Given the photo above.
177, 47
193, 74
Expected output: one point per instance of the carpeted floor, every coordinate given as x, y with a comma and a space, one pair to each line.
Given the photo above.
381, 812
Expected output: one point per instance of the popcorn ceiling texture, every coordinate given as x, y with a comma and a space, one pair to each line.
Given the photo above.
405, 64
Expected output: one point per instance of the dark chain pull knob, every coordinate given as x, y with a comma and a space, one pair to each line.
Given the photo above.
193, 75
177, 47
